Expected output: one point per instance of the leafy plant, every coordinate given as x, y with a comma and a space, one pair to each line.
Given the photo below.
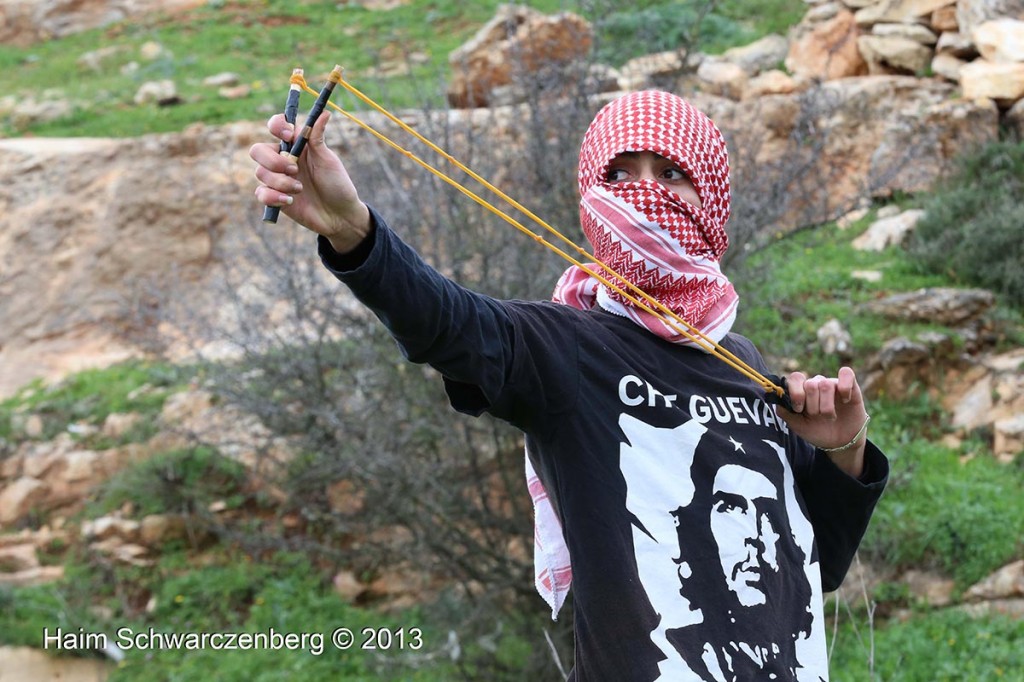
972, 229
179, 481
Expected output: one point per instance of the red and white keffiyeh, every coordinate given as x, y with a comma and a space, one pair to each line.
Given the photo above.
646, 233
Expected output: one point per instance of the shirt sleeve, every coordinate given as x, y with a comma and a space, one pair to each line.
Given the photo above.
490, 352
839, 508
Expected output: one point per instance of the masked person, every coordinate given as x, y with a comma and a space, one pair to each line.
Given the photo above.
650, 462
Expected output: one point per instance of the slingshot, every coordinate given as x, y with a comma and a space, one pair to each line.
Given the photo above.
774, 386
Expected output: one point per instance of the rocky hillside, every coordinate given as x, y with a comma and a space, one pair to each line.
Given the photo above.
97, 233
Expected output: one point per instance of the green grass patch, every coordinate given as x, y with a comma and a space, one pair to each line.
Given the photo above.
232, 593
944, 646
792, 287
89, 397
399, 56
957, 512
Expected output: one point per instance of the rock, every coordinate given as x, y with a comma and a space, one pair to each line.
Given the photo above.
1001, 40
957, 44
888, 231
644, 71
151, 50
19, 498
932, 589
834, 339
94, 59
1005, 583
899, 11
867, 275
518, 43
235, 92
972, 13
940, 305
827, 50
1002, 82
907, 157
161, 93
852, 217
158, 529
759, 56
347, 586
1008, 439
186, 406
30, 111
128, 553
31, 426
345, 498
901, 352
1015, 119
894, 54
948, 67
722, 78
23, 22
773, 82
117, 424
225, 79
914, 32
944, 19
29, 577
16, 558
108, 528
973, 408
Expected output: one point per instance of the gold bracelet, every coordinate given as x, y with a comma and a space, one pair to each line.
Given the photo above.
853, 442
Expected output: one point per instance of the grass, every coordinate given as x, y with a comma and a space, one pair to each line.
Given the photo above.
231, 592
263, 40
89, 397
943, 646
790, 289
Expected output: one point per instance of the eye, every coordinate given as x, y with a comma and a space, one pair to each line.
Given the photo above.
674, 174
617, 175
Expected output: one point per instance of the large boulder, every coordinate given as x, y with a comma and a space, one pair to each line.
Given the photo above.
899, 11
972, 13
518, 45
826, 49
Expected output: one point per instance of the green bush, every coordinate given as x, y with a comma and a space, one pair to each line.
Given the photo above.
973, 228
178, 481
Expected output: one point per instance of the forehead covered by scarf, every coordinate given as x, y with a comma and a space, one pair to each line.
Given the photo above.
669, 126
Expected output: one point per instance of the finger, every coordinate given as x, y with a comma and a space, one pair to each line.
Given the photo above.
269, 156
827, 397
847, 381
795, 384
281, 128
278, 181
271, 197
812, 390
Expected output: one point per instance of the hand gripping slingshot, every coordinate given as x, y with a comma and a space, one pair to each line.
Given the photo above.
775, 388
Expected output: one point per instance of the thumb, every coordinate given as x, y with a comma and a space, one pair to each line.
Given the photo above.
317, 134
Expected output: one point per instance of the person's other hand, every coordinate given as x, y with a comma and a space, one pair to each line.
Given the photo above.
829, 412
